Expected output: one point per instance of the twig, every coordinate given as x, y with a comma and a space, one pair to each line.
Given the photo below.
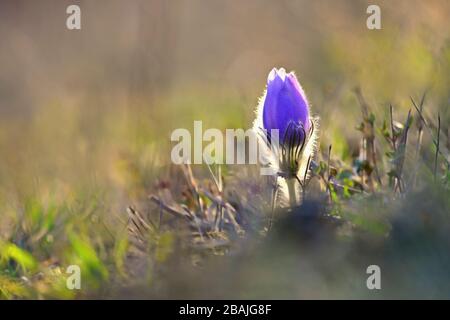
274, 197
419, 142
193, 185
392, 126
169, 209
217, 183
305, 183
219, 213
420, 126
368, 137
314, 165
335, 184
229, 209
328, 173
400, 153
430, 132
437, 146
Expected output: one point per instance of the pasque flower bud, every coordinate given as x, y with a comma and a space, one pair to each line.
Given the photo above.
285, 108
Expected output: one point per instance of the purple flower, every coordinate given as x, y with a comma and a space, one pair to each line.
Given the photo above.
287, 153
285, 105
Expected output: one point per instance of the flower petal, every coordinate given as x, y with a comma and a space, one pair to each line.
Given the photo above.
285, 102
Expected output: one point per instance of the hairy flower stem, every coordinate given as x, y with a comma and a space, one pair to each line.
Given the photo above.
291, 189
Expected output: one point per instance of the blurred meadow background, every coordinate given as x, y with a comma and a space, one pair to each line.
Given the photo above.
85, 123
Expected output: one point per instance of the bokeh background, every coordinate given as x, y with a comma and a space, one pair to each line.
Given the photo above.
86, 115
